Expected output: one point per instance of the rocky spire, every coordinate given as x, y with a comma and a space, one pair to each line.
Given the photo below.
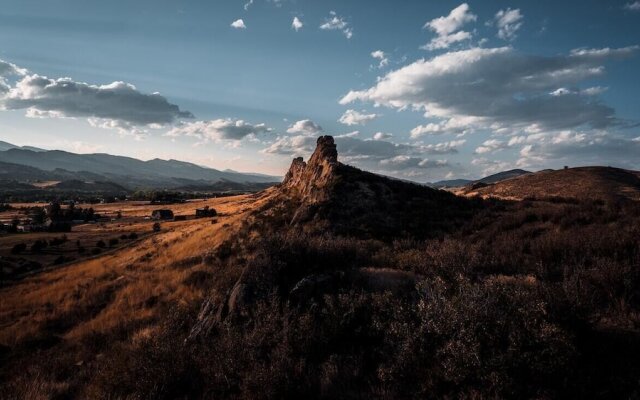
308, 179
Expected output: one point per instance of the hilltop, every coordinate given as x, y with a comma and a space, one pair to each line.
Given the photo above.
324, 193
603, 183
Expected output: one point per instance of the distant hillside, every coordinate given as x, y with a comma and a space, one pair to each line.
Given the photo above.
500, 176
504, 175
604, 183
126, 171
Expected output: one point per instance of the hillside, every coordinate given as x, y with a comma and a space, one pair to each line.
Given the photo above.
500, 176
336, 283
323, 193
604, 183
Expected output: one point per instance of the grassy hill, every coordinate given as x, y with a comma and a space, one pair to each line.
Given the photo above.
604, 183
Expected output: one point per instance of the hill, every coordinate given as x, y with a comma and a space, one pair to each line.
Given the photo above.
500, 176
603, 183
323, 193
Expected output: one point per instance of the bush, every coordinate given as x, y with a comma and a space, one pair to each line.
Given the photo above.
101, 244
18, 248
133, 235
38, 246
113, 242
156, 227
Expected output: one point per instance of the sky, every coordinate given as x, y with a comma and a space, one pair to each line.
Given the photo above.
421, 90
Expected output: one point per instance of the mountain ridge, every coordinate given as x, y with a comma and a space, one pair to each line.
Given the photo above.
127, 171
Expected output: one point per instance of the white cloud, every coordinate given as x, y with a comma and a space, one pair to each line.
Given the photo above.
218, 130
353, 117
382, 136
296, 24
118, 101
248, 4
508, 22
448, 28
8, 69
635, 6
238, 24
405, 162
459, 126
335, 22
497, 88
442, 148
381, 56
305, 127
490, 146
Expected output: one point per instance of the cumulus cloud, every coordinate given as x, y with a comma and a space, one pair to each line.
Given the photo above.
405, 162
353, 117
296, 24
448, 28
248, 4
300, 145
378, 154
218, 129
508, 23
335, 22
117, 101
238, 24
456, 125
634, 6
580, 148
305, 127
497, 88
382, 136
8, 69
381, 57
442, 148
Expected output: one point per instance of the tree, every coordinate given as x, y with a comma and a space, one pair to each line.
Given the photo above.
156, 227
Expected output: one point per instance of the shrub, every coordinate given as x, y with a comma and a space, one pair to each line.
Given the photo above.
101, 244
18, 248
113, 242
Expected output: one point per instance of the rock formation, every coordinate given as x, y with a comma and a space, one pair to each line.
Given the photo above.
308, 180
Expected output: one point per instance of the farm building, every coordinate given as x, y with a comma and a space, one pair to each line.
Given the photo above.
163, 214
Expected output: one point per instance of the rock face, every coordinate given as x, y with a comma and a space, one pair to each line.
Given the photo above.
307, 180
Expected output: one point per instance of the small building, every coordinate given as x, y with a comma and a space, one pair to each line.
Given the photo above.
163, 214
205, 212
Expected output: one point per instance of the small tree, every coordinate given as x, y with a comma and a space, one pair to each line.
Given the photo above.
156, 227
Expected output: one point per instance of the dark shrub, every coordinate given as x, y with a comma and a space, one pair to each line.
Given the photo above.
18, 248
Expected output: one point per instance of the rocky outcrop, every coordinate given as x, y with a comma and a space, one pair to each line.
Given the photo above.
308, 180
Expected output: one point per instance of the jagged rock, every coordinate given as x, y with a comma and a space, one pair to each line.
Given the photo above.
308, 180
213, 312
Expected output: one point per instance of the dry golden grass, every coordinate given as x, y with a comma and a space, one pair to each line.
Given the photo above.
128, 287
603, 183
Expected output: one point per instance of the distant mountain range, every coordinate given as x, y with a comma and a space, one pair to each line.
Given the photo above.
30, 164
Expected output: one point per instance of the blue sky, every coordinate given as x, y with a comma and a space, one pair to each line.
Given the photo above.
422, 90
